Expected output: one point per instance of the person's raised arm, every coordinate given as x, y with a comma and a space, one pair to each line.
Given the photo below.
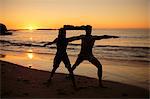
49, 43
104, 37
74, 38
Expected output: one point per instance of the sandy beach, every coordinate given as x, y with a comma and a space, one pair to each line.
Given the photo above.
102, 39
19, 81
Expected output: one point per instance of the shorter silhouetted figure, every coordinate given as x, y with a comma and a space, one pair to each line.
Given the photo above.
87, 43
61, 54
3, 30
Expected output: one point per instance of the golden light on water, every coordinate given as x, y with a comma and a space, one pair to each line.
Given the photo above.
30, 54
31, 38
30, 51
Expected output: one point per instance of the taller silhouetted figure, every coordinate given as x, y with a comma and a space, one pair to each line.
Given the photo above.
87, 43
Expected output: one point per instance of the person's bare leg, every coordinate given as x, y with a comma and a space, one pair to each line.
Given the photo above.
72, 76
56, 63
95, 62
47, 83
68, 66
53, 72
78, 61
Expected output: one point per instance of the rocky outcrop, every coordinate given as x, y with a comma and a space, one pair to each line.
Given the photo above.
3, 30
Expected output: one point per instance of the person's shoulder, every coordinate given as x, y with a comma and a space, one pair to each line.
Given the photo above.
82, 36
91, 36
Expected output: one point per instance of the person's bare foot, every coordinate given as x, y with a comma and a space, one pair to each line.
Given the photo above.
102, 86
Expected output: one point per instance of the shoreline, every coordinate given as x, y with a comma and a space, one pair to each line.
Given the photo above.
19, 81
134, 73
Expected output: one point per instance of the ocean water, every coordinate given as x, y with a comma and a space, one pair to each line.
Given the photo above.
132, 44
125, 59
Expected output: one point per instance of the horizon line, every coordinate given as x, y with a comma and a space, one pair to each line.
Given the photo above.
58, 28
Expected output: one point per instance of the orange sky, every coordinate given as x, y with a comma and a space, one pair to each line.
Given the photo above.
55, 13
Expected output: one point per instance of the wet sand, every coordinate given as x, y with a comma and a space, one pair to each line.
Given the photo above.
134, 73
19, 81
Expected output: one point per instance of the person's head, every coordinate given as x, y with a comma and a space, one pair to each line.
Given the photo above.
88, 30
62, 33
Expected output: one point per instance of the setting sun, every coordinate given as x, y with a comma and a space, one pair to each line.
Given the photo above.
31, 27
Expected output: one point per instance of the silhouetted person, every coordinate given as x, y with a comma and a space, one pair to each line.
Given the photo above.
87, 43
61, 54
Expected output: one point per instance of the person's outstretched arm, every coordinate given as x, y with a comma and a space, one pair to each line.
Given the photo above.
74, 38
104, 37
49, 43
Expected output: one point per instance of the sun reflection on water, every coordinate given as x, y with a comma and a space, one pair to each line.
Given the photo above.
30, 54
31, 38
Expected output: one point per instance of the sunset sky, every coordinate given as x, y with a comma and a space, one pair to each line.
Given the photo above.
18, 14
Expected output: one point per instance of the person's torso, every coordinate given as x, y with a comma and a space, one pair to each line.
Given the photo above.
61, 45
87, 44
